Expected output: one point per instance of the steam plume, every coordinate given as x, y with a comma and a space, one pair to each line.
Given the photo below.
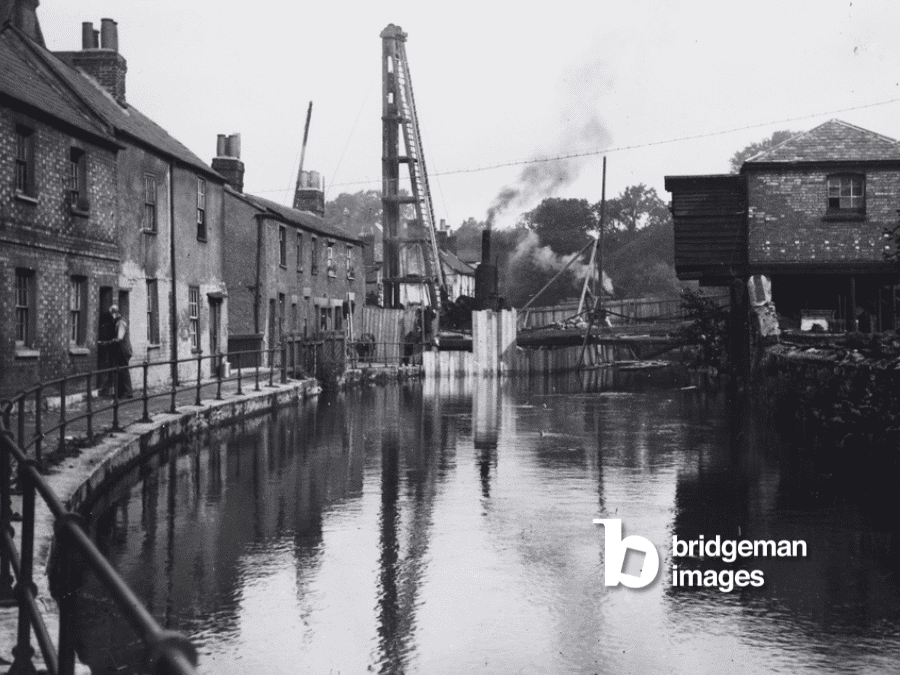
546, 179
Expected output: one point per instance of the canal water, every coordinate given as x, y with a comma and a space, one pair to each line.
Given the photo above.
448, 528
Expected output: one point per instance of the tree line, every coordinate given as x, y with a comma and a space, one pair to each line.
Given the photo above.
638, 237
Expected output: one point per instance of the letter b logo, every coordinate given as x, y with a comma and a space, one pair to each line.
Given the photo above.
616, 548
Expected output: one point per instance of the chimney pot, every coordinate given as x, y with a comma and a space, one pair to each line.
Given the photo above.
227, 161
87, 35
95, 44
109, 35
234, 146
311, 195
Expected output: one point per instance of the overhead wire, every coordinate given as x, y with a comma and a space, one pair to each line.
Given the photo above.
349, 138
621, 148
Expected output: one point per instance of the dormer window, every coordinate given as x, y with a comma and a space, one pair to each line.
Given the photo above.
846, 194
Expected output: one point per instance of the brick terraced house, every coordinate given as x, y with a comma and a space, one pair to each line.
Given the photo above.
810, 214
101, 205
59, 258
288, 271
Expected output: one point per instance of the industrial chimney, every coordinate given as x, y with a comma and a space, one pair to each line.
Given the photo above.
486, 296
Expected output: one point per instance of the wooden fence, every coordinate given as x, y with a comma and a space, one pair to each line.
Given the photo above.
621, 312
389, 328
494, 352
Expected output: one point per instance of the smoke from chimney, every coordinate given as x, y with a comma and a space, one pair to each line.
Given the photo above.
546, 179
580, 90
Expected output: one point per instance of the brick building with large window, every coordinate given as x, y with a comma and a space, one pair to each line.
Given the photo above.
810, 214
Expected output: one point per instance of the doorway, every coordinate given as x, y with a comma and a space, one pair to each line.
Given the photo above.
215, 313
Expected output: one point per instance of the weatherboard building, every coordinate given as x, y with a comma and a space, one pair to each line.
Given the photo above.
811, 214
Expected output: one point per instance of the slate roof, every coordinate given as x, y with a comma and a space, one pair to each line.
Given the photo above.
25, 78
305, 219
39, 78
126, 120
833, 141
452, 261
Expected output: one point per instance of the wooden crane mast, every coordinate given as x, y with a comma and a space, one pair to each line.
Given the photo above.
399, 115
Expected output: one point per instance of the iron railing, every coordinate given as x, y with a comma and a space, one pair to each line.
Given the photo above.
30, 414
368, 353
167, 652
52, 409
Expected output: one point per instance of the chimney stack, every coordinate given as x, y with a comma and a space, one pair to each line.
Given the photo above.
310, 195
23, 15
99, 57
228, 162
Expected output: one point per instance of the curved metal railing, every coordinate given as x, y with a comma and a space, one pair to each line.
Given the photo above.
167, 652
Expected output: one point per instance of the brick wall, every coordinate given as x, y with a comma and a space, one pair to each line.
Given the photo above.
240, 263
787, 217
45, 236
299, 287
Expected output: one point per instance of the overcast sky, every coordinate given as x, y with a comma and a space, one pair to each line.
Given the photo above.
499, 82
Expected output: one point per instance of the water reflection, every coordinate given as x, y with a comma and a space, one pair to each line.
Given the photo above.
446, 527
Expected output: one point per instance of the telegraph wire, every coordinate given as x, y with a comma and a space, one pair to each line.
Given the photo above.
621, 148
347, 145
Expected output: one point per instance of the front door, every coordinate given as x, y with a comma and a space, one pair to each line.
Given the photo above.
106, 327
215, 313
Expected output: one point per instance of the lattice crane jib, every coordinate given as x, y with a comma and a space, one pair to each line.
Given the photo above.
399, 116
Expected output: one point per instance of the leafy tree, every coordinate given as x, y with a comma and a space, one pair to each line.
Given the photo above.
561, 224
738, 158
639, 241
362, 208
637, 207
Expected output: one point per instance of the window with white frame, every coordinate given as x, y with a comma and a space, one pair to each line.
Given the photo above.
194, 316
25, 183
78, 179
329, 260
77, 313
150, 197
201, 210
847, 193
25, 307
351, 271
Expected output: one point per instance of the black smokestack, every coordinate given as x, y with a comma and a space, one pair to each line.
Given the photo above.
486, 296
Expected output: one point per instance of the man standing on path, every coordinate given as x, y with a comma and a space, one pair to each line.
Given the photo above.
105, 334
121, 353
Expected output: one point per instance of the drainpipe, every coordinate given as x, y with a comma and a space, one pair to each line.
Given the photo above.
173, 303
256, 288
